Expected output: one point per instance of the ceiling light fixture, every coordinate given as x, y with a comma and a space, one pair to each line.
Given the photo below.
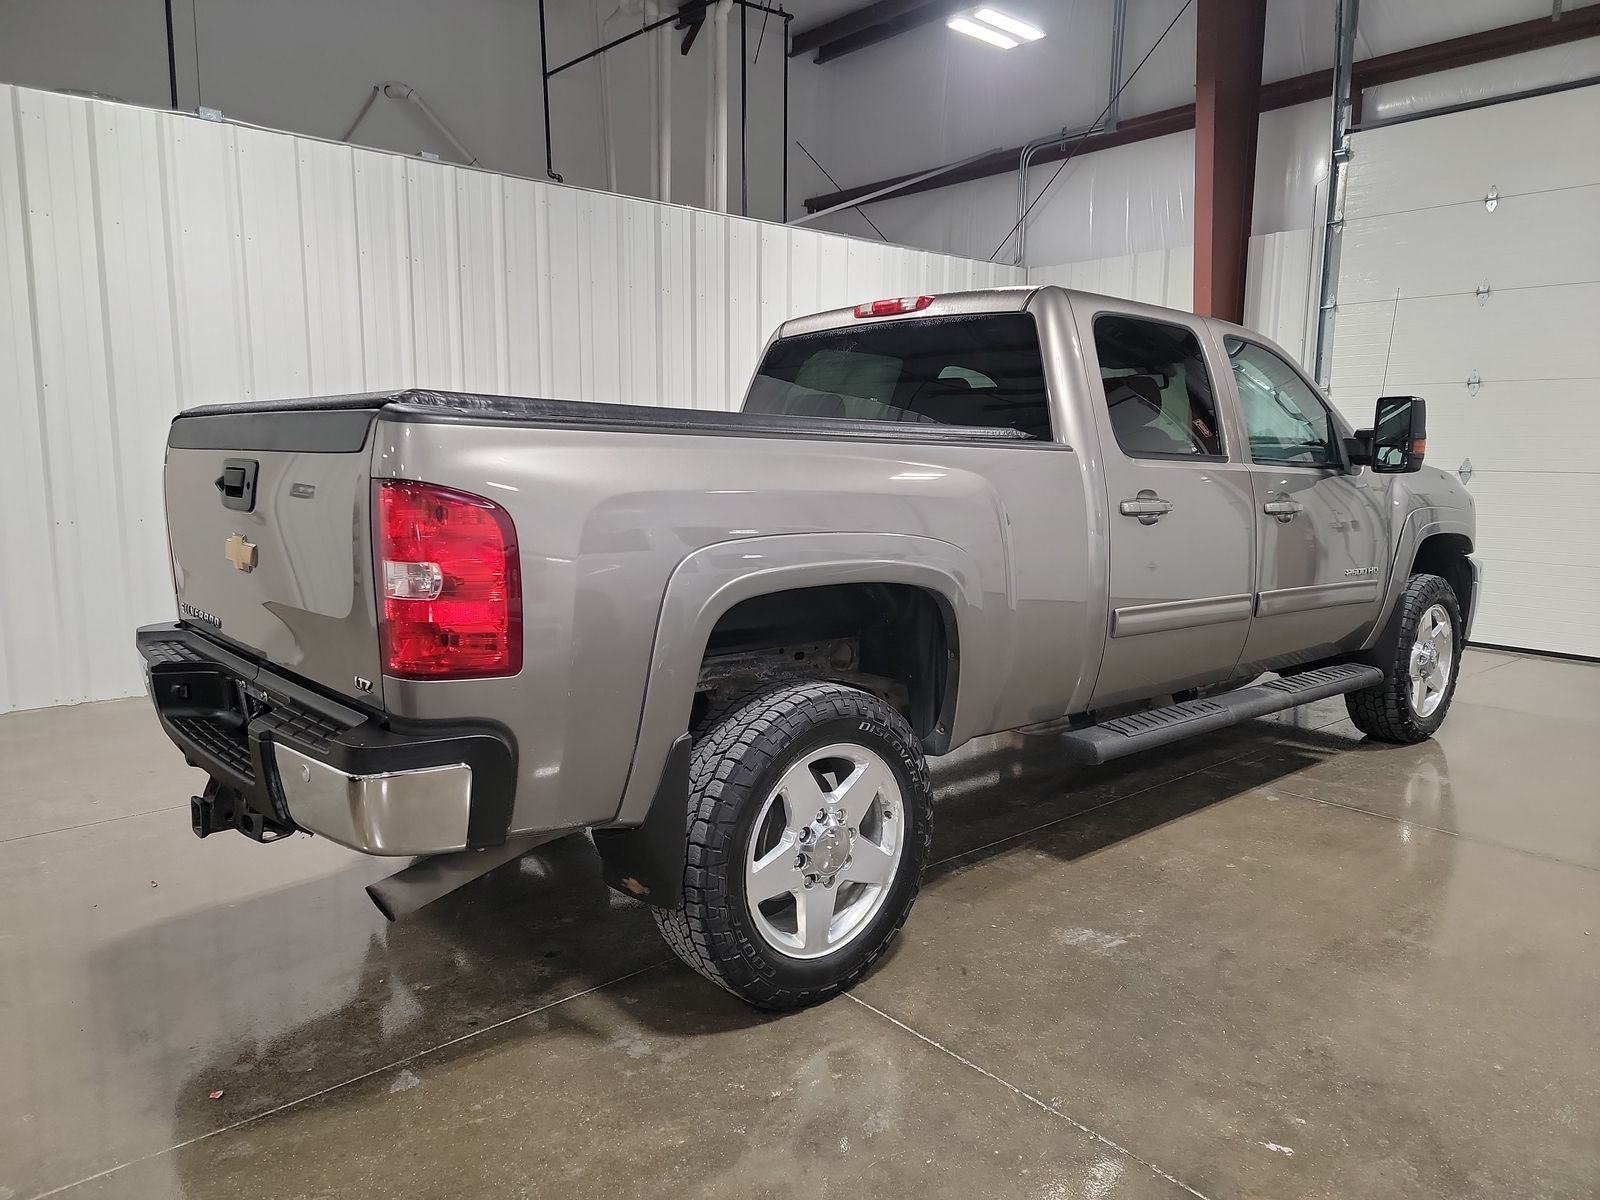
1020, 30
983, 33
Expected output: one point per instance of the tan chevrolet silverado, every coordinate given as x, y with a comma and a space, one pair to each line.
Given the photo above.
451, 626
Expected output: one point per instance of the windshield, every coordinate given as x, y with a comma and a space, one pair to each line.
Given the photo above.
983, 371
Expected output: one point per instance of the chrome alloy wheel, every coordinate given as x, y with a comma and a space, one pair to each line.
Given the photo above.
824, 850
1433, 658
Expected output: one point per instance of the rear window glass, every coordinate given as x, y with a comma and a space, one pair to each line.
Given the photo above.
981, 371
1157, 389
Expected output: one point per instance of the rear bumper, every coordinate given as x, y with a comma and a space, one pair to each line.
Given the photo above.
422, 811
298, 759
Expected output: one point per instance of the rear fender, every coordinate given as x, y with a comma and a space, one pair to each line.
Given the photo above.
709, 582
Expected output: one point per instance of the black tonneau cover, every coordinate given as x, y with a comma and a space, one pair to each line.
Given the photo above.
340, 423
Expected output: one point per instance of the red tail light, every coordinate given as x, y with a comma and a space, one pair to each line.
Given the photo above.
448, 582
894, 306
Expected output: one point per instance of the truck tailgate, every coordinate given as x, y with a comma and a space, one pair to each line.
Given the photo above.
268, 513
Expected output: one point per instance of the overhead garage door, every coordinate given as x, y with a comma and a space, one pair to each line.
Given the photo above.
1487, 225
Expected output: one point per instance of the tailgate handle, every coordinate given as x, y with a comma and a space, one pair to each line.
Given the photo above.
237, 483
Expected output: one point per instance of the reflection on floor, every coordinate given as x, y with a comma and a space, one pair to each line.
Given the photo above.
1277, 962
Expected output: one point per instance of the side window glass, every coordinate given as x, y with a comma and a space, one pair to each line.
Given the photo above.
1157, 389
1286, 421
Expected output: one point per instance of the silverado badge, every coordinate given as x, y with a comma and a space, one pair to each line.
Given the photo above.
241, 553
200, 614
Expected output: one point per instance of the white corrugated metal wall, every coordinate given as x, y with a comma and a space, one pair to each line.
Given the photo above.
150, 261
1279, 296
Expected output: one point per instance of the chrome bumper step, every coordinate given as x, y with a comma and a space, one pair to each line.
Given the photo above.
1122, 736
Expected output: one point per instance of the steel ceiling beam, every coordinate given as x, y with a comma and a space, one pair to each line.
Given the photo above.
1574, 25
1004, 162
870, 25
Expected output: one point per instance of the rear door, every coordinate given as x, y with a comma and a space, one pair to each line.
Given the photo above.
268, 516
1182, 538
1321, 554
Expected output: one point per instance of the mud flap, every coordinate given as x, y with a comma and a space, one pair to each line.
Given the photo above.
646, 861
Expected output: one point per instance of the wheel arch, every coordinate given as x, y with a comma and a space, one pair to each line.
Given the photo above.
904, 634
1447, 554
1448, 534
713, 581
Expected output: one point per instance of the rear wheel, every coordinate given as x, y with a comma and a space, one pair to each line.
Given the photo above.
1420, 681
809, 825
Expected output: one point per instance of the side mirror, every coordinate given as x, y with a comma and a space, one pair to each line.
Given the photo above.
1398, 439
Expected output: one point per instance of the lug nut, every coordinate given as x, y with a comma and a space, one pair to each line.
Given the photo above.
799, 861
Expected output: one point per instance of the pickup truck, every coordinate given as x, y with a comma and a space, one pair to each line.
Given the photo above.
450, 625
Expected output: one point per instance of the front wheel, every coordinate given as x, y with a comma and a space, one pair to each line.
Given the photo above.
810, 818
1419, 683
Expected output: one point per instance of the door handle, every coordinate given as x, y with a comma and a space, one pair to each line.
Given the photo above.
1147, 506
1283, 508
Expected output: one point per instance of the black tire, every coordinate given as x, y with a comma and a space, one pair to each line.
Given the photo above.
1385, 711
738, 760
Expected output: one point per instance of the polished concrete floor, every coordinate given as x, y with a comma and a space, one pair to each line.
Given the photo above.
1278, 963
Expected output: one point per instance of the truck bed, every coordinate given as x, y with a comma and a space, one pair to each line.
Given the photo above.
201, 427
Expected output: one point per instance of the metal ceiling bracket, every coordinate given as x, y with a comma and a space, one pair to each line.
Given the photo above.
207, 113
1465, 470
1483, 293
1474, 382
1492, 200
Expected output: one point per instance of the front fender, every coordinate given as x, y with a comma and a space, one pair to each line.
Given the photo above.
710, 581
1420, 524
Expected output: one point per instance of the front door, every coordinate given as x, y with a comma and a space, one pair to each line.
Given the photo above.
1321, 557
1182, 537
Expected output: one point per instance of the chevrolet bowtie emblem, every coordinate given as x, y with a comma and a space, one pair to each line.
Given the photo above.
241, 553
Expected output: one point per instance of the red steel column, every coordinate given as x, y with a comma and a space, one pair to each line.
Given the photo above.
1228, 38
